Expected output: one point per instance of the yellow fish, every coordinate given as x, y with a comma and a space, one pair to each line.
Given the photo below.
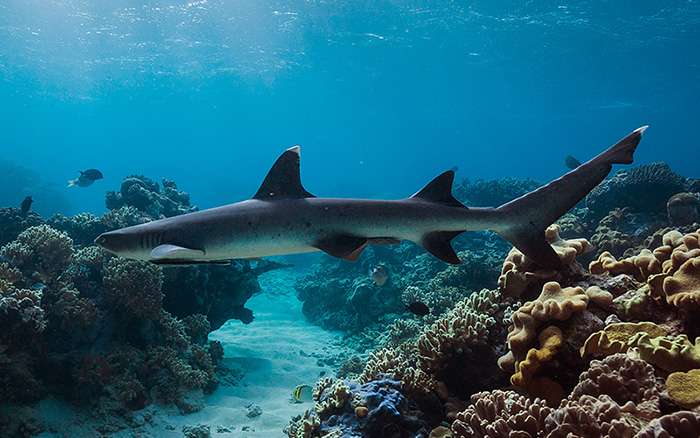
303, 393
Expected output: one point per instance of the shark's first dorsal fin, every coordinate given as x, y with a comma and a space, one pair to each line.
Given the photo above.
439, 190
283, 180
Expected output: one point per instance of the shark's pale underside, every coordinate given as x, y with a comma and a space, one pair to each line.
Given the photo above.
283, 218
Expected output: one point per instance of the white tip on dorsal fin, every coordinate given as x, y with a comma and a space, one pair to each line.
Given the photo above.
295, 149
173, 251
283, 180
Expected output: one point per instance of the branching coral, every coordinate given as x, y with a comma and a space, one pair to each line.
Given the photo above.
133, 287
40, 253
457, 331
350, 409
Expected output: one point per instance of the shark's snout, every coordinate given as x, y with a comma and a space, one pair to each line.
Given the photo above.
113, 241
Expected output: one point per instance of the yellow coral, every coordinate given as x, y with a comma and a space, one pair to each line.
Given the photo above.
440, 432
683, 287
550, 340
614, 338
684, 388
670, 355
554, 302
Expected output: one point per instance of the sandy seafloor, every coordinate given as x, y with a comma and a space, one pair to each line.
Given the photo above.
267, 358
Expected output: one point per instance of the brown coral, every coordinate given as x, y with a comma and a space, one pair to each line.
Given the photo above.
517, 275
614, 398
457, 331
499, 414
134, 287
678, 424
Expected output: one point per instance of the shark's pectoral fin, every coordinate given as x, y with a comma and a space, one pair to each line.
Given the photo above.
438, 244
343, 246
168, 251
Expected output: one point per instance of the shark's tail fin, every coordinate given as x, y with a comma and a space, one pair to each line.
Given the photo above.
526, 218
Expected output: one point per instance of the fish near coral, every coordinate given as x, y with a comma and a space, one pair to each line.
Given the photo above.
417, 308
571, 162
86, 178
283, 218
26, 205
379, 275
302, 393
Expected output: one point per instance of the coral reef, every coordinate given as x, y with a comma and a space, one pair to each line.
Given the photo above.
683, 209
340, 295
219, 292
492, 193
108, 332
616, 397
145, 195
348, 409
13, 222
644, 188
92, 326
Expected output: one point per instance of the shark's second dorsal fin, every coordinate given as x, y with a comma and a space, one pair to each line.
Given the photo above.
439, 190
283, 180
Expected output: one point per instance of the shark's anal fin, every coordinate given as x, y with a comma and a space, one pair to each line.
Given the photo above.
439, 190
168, 251
343, 246
283, 181
438, 244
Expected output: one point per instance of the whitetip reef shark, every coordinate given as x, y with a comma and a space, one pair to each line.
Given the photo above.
283, 218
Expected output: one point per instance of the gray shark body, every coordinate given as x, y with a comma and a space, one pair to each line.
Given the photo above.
283, 218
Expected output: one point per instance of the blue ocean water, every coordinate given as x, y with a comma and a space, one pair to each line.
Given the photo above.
380, 95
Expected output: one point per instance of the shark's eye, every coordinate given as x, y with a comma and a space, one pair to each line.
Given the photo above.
103, 239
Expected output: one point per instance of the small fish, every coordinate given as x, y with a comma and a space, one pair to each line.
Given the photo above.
303, 393
379, 275
321, 374
86, 178
26, 204
417, 308
571, 162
